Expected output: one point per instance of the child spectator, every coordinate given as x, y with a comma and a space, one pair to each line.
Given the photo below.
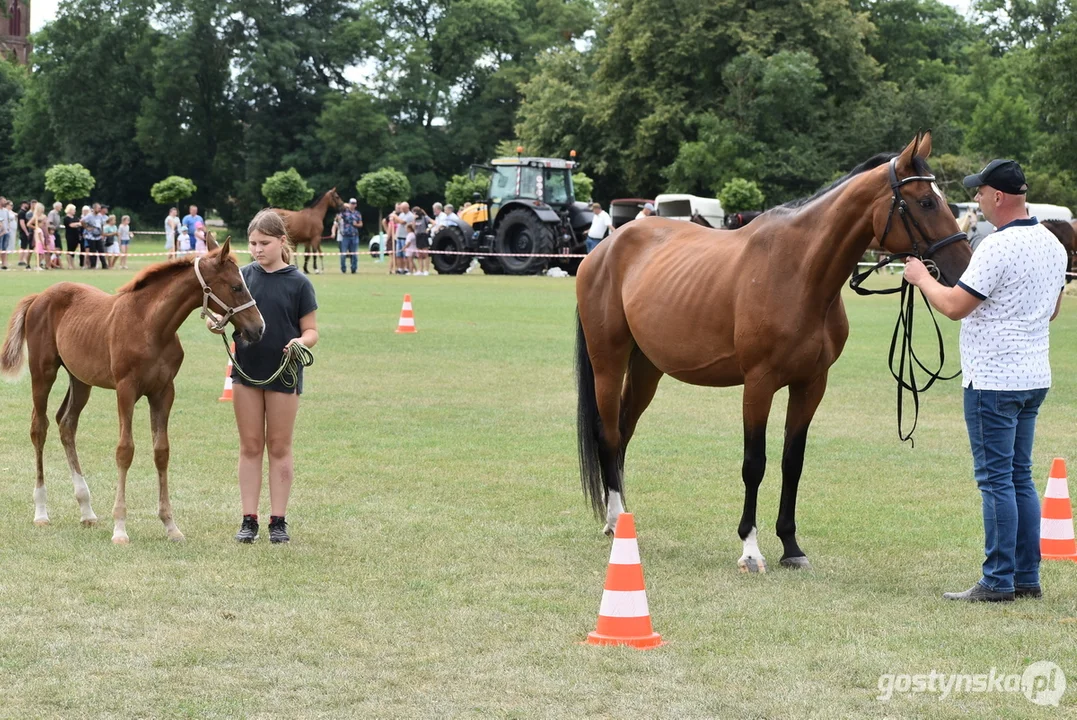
124, 233
112, 243
410, 249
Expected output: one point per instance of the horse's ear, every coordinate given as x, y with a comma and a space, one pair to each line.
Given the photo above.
226, 248
924, 149
906, 156
211, 241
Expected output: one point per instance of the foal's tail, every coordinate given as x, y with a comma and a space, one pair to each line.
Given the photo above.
588, 424
11, 357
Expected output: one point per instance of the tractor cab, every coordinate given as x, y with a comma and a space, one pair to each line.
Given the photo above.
529, 217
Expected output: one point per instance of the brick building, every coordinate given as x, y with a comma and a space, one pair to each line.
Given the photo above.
14, 29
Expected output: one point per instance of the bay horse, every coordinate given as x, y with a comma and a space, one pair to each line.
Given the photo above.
759, 307
1064, 231
305, 226
126, 342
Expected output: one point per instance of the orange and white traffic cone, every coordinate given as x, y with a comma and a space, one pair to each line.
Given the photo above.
226, 396
623, 616
407, 318
1056, 519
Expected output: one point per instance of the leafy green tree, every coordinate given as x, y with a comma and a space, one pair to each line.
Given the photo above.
172, 189
287, 189
583, 186
383, 188
101, 51
1002, 126
190, 124
69, 182
739, 195
1056, 86
461, 188
13, 80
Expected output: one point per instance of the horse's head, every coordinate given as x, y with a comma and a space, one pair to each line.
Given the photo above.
226, 292
335, 200
911, 216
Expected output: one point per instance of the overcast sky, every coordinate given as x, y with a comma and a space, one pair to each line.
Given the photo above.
42, 11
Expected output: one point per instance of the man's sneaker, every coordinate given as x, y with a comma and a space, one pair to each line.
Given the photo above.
1027, 592
978, 593
248, 532
278, 530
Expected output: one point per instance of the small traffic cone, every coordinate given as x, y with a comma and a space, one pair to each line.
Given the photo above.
623, 617
226, 396
1056, 520
407, 318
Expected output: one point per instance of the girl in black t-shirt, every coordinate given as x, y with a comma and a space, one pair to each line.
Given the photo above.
265, 415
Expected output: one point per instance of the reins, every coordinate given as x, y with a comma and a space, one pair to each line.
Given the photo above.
297, 355
907, 361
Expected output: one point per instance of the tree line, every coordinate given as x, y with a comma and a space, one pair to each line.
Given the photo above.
654, 95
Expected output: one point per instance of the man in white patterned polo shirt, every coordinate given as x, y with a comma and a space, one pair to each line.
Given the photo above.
1005, 300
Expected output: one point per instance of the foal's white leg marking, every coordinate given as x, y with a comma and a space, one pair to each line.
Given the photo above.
82, 494
614, 508
119, 534
41, 515
752, 556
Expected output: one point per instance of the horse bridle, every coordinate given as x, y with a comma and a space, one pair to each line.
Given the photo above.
897, 202
903, 359
207, 295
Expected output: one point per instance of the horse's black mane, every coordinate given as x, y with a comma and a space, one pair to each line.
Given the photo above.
316, 200
919, 165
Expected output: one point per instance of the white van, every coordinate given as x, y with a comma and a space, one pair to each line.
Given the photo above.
681, 206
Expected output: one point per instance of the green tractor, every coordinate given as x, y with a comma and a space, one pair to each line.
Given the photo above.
529, 209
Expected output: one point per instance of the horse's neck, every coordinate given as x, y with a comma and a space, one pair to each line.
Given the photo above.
321, 207
837, 233
167, 304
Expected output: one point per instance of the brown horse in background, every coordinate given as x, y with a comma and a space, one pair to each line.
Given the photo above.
759, 307
1064, 231
126, 342
305, 226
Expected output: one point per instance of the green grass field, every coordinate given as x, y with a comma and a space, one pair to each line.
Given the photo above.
444, 561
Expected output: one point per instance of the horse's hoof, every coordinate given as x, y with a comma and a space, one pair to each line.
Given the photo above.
89, 522
177, 537
41, 522
120, 540
796, 563
752, 565
607, 530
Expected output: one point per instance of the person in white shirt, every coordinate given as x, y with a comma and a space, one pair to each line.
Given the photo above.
600, 225
647, 211
1006, 298
7, 230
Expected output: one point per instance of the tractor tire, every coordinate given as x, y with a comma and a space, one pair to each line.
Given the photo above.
375, 249
449, 238
491, 266
522, 232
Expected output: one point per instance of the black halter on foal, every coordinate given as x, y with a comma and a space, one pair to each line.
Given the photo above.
908, 360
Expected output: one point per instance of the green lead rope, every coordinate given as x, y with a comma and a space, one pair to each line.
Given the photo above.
298, 355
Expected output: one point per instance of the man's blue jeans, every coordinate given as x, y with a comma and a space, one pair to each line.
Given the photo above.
1001, 425
591, 244
349, 245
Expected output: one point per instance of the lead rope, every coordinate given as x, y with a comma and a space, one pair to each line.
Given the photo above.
297, 355
907, 359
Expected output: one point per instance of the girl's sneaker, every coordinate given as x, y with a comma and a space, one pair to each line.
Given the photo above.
248, 532
278, 530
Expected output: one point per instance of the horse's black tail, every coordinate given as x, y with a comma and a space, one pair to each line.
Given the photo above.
588, 425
